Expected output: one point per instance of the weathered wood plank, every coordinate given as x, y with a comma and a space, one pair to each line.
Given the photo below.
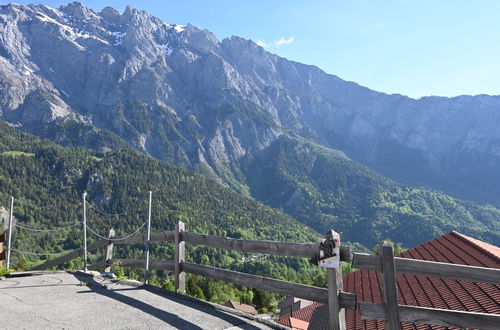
389, 287
444, 270
366, 261
348, 300
303, 250
259, 282
266, 247
430, 268
336, 315
334, 306
432, 316
139, 263
2, 254
313, 293
179, 257
72, 255
166, 236
109, 250
134, 239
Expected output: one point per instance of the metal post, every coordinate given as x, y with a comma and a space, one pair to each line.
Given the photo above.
148, 238
10, 231
84, 232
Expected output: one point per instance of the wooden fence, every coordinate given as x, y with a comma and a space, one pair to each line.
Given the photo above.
334, 298
389, 311
393, 313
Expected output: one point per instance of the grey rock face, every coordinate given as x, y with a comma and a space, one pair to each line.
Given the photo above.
179, 94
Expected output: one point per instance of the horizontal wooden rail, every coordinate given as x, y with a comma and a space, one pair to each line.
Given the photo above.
139, 263
430, 268
313, 293
166, 236
432, 316
302, 250
266, 247
347, 300
73, 254
135, 263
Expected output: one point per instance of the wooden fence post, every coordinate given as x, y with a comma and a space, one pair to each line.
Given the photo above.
389, 287
109, 251
336, 313
180, 256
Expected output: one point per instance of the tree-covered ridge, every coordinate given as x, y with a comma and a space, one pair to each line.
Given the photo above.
48, 188
324, 189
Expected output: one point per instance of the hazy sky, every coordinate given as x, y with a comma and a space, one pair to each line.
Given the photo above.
411, 47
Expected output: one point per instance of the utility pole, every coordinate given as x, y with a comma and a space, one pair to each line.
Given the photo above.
148, 238
84, 232
10, 231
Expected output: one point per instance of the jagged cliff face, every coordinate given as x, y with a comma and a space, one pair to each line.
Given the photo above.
179, 94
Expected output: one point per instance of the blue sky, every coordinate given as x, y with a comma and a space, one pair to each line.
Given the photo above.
411, 47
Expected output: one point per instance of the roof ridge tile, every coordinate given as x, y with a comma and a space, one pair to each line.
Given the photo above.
489, 249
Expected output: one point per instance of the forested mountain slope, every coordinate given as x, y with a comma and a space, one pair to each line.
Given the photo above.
324, 189
48, 180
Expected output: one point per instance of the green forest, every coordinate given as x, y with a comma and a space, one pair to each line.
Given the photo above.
324, 189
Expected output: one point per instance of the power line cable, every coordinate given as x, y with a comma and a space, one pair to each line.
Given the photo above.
105, 213
116, 239
47, 230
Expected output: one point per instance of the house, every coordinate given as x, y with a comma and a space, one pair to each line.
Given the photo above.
241, 307
292, 304
303, 314
421, 291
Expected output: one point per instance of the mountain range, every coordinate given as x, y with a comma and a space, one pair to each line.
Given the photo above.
331, 153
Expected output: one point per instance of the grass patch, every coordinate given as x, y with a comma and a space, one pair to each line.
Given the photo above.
16, 154
94, 158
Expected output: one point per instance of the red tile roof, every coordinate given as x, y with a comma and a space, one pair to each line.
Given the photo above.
241, 307
427, 291
304, 314
492, 250
298, 324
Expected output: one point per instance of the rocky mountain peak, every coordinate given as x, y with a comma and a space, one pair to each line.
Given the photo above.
110, 14
200, 39
78, 11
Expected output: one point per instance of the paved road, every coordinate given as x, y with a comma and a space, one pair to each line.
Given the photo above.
61, 300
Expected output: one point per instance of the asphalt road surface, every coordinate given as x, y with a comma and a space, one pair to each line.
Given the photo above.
60, 300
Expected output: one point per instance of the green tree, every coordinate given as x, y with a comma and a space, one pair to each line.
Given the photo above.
397, 247
263, 300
